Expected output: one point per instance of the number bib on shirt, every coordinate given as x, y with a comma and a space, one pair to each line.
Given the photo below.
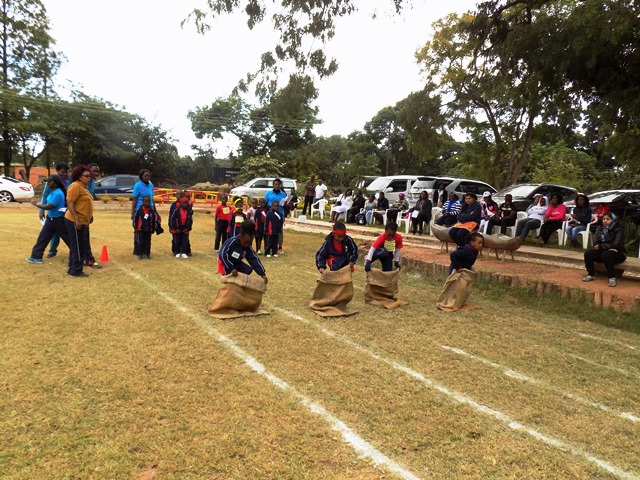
390, 245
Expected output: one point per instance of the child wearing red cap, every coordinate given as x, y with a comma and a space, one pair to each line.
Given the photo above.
337, 251
181, 223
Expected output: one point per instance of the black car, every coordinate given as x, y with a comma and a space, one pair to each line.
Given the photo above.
118, 185
624, 203
523, 193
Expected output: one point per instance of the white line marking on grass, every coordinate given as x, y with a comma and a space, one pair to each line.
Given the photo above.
607, 340
504, 418
360, 445
608, 367
542, 384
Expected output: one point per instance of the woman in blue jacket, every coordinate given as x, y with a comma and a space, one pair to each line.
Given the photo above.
468, 219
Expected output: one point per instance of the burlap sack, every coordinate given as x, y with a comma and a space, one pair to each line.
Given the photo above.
381, 289
239, 296
456, 291
332, 294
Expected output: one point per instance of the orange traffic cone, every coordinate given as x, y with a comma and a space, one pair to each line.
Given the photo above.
104, 256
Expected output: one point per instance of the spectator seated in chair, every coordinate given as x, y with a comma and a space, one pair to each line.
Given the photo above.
450, 211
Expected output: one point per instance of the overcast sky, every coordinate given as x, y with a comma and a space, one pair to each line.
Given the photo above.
135, 53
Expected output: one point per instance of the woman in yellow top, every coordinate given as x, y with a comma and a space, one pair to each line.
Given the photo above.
78, 217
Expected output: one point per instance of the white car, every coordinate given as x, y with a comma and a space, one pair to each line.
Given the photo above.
258, 187
14, 190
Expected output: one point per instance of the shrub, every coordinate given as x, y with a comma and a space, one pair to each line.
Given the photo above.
122, 199
106, 198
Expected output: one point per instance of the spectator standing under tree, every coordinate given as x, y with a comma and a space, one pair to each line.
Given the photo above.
506, 216
54, 204
580, 219
272, 229
309, 195
78, 217
450, 211
553, 219
321, 191
62, 170
277, 195
535, 216
608, 248
421, 212
440, 195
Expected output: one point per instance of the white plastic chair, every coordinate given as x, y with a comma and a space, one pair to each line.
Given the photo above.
406, 218
435, 213
587, 233
562, 234
511, 231
318, 207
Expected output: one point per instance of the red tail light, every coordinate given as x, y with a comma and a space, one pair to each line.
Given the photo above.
26, 189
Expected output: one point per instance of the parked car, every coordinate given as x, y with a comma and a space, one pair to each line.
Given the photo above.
392, 186
459, 186
523, 193
121, 185
14, 190
258, 187
624, 203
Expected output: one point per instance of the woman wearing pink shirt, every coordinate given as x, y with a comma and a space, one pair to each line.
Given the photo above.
552, 219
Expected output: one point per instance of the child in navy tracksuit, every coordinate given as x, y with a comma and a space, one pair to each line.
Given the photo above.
238, 248
236, 219
145, 222
337, 251
272, 229
260, 218
465, 257
181, 223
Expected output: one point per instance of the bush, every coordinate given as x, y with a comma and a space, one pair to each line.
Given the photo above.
106, 198
631, 237
122, 199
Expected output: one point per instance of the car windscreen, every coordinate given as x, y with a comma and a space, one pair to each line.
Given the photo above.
288, 184
516, 190
378, 184
12, 180
422, 185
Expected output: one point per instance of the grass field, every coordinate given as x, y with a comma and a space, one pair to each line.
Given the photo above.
124, 376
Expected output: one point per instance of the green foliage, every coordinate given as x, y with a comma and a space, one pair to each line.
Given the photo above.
260, 166
631, 237
558, 163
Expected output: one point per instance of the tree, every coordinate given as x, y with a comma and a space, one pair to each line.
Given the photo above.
28, 63
262, 166
282, 122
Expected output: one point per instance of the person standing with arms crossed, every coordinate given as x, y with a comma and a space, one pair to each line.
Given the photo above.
309, 194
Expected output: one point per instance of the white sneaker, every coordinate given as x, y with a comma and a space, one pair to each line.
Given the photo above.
588, 278
177, 255
184, 255
275, 254
612, 282
268, 256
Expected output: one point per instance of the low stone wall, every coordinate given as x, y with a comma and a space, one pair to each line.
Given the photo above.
539, 288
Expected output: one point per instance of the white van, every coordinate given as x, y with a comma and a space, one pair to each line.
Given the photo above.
392, 186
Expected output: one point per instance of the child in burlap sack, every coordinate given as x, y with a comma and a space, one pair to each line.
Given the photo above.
335, 261
241, 293
386, 248
457, 289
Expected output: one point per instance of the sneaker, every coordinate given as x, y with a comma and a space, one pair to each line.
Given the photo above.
612, 282
281, 251
177, 255
34, 260
93, 264
79, 275
259, 252
588, 278
184, 255
268, 256
275, 254
51, 255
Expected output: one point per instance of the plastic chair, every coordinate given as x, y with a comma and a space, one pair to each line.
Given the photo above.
511, 231
562, 234
435, 213
586, 233
406, 218
318, 207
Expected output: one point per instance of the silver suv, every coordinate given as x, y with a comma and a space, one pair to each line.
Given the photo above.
257, 187
459, 186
